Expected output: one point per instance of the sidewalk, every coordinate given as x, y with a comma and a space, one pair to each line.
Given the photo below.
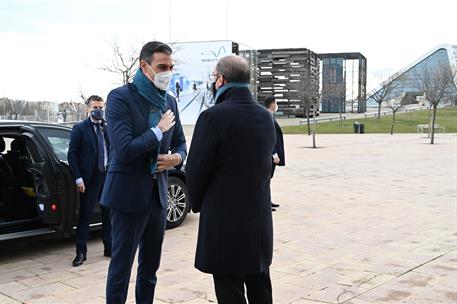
363, 219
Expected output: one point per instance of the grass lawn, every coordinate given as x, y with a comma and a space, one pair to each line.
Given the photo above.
406, 122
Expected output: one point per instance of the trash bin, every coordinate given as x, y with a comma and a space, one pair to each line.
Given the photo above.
359, 128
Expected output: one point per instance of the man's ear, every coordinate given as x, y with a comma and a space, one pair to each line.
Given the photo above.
143, 66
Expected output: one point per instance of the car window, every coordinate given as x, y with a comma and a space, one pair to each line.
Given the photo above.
58, 139
21, 147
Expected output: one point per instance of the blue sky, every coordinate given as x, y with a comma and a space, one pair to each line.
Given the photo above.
51, 49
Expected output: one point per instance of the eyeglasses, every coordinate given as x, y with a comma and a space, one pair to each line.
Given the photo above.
213, 77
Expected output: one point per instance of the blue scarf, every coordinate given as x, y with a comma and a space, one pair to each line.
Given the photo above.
227, 86
158, 100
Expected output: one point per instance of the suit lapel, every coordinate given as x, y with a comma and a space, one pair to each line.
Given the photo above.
139, 102
167, 104
91, 134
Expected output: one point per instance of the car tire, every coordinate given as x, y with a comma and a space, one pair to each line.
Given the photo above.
178, 202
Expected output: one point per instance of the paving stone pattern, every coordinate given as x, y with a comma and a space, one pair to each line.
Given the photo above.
363, 219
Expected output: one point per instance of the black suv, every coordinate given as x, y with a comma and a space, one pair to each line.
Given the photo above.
37, 191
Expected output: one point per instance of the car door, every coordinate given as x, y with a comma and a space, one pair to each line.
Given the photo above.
54, 189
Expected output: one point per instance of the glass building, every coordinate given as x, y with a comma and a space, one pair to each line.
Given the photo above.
343, 82
408, 79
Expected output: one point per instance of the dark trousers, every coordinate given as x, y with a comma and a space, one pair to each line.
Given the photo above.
130, 231
87, 203
273, 167
230, 288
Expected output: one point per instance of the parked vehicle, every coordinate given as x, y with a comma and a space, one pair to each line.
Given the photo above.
37, 191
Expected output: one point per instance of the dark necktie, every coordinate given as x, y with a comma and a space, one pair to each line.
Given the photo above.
101, 148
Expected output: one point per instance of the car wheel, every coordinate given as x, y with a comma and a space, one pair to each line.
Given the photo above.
178, 202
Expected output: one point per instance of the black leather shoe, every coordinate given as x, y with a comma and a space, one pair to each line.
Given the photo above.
273, 209
274, 205
107, 252
79, 259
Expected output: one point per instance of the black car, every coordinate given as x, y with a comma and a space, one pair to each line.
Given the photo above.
37, 191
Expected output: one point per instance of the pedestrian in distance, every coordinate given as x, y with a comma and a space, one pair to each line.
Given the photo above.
278, 155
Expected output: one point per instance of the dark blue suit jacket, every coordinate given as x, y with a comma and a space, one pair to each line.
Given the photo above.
128, 184
279, 146
82, 151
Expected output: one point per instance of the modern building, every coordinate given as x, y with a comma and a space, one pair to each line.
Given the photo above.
344, 81
251, 58
407, 80
291, 75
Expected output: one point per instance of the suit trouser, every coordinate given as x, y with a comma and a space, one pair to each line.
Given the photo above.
88, 200
130, 231
273, 167
230, 288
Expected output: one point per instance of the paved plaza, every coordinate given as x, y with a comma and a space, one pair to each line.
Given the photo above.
363, 219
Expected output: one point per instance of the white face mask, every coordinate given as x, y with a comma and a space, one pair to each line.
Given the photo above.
162, 80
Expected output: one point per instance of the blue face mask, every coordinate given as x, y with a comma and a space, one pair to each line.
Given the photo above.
97, 114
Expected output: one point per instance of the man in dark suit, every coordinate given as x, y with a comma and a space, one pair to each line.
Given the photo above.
278, 157
144, 127
228, 173
88, 158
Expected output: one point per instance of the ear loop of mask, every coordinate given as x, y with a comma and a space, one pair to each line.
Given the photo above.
147, 75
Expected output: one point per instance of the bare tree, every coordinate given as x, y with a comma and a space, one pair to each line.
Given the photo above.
123, 63
75, 109
17, 107
82, 95
307, 110
436, 84
395, 105
315, 103
4, 106
382, 94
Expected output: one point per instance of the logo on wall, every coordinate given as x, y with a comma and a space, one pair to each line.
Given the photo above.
191, 82
215, 55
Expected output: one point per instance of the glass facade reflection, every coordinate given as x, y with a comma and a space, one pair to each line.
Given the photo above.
407, 80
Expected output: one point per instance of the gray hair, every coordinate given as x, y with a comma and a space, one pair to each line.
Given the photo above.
234, 69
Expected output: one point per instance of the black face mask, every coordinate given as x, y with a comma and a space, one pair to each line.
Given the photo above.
97, 114
213, 89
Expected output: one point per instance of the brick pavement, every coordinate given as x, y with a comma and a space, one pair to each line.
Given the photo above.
363, 219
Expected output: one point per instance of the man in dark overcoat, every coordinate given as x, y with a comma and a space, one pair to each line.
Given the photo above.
228, 173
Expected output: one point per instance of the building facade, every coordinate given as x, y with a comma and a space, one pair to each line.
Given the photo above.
407, 81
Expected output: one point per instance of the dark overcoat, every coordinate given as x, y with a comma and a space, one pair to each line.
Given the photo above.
228, 173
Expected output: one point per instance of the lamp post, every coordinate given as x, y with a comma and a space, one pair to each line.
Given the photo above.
169, 21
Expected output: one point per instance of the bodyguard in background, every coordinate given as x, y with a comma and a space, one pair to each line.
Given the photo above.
228, 173
278, 155
88, 159
144, 127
